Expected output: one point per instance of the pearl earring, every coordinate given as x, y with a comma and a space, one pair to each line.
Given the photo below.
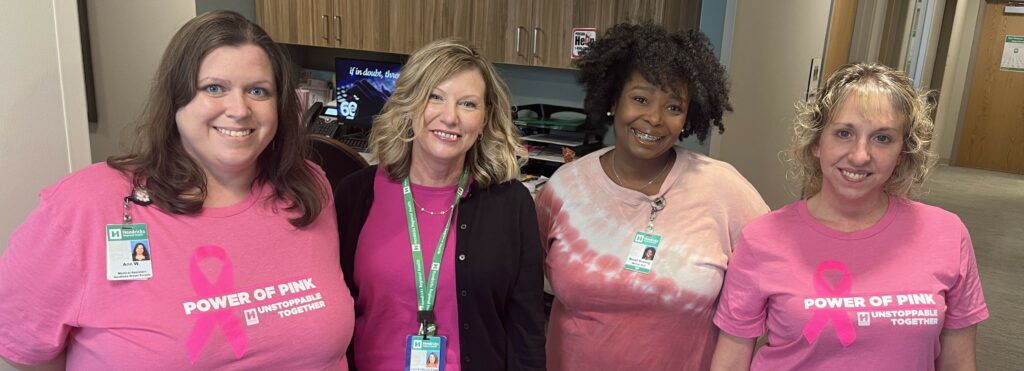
609, 114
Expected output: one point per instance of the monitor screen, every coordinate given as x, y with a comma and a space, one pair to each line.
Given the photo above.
363, 87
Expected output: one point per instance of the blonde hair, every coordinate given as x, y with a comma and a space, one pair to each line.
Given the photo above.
866, 81
494, 158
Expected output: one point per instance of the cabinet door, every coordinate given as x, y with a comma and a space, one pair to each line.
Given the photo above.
551, 32
674, 15
279, 19
518, 32
364, 24
415, 23
314, 22
484, 23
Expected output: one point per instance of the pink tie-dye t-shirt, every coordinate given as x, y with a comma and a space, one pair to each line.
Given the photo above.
607, 317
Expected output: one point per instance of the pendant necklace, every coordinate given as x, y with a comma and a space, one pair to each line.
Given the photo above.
430, 212
649, 182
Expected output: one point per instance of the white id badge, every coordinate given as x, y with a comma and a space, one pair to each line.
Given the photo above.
425, 353
128, 252
643, 251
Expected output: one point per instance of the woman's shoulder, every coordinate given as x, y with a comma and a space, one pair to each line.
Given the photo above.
511, 190
710, 167
706, 173
775, 221
94, 182
929, 214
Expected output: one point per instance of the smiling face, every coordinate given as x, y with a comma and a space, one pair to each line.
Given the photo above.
140, 249
233, 116
858, 150
453, 119
648, 119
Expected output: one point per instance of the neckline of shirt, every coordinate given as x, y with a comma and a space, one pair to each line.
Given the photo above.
895, 204
633, 197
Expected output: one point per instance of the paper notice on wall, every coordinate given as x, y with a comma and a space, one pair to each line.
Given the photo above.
1013, 54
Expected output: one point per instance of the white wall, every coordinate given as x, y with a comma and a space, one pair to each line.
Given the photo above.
43, 125
128, 39
772, 44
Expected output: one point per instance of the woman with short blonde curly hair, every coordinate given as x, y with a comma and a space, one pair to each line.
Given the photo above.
866, 79
856, 274
444, 203
495, 158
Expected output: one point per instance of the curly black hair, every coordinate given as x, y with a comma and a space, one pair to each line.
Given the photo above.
664, 59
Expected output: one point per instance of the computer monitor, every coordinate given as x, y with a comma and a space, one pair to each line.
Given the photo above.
363, 86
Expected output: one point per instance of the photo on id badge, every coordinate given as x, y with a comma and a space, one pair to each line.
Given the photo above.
128, 252
425, 353
642, 252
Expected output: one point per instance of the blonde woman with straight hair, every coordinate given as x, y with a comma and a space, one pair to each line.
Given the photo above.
440, 240
857, 276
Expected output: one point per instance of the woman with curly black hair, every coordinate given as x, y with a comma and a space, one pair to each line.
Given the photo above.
598, 215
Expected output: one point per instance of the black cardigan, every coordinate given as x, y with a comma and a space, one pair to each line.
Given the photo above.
498, 271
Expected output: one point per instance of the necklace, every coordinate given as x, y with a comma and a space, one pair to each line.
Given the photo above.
429, 212
649, 182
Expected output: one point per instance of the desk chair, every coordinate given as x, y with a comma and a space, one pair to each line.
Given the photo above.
337, 159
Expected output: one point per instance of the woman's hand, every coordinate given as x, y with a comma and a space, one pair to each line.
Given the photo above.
732, 353
957, 352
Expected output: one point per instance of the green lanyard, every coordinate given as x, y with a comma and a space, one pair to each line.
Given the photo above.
427, 289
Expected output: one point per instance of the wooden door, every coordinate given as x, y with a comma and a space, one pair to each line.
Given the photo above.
992, 135
414, 23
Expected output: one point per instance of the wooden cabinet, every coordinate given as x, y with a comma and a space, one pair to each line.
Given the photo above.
350, 24
280, 19
526, 32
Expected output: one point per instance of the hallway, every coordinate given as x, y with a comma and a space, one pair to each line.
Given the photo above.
991, 204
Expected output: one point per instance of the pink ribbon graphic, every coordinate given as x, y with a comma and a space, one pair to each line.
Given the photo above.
840, 320
229, 323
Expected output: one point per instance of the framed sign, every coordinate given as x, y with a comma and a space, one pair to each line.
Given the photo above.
581, 39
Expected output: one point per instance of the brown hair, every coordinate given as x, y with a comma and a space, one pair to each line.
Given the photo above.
494, 158
865, 80
157, 159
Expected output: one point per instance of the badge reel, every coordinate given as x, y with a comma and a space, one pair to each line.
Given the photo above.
129, 253
645, 244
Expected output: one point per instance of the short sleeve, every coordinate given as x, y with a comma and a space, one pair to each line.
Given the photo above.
747, 205
742, 305
965, 301
41, 283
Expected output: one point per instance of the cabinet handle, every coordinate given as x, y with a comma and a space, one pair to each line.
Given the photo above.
337, 28
535, 31
323, 22
519, 30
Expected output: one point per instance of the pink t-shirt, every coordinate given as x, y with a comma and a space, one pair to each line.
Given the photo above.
607, 317
387, 291
232, 288
875, 299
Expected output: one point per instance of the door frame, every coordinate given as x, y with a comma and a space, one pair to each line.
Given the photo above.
952, 105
